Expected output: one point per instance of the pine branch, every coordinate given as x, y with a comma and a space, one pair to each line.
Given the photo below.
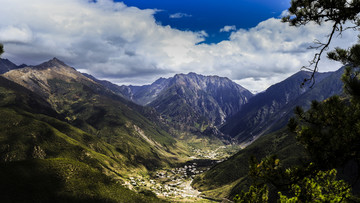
317, 57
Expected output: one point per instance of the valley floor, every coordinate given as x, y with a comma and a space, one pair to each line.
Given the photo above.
174, 184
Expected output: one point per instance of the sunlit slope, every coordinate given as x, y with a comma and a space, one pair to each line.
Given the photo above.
96, 110
44, 159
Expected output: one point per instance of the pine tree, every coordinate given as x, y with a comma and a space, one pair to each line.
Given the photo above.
337, 12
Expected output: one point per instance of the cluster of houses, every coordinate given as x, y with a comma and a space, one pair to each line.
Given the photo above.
173, 183
176, 182
208, 154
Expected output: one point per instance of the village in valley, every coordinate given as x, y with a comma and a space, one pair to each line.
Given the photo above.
175, 183
170, 183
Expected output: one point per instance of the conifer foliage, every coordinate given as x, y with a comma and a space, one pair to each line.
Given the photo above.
337, 12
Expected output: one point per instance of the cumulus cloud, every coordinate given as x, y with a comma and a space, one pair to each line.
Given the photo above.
106, 37
15, 34
179, 15
126, 45
284, 13
228, 28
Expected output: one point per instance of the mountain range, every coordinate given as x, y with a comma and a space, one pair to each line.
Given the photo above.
189, 102
202, 105
57, 119
262, 126
270, 110
199, 102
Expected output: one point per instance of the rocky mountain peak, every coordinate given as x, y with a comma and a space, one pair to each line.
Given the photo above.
38, 78
160, 81
208, 83
189, 99
55, 62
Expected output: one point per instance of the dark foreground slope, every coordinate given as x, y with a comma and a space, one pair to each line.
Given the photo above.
44, 159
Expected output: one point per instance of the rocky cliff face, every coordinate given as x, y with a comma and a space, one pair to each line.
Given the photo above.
146, 94
191, 99
208, 99
188, 102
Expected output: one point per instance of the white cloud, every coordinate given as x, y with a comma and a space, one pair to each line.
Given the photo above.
228, 28
284, 13
15, 34
105, 37
126, 45
179, 15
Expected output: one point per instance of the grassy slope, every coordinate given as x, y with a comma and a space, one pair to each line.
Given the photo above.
96, 110
43, 158
108, 117
229, 177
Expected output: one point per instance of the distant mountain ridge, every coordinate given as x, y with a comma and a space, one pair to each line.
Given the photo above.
190, 99
196, 102
270, 110
190, 103
6, 65
209, 98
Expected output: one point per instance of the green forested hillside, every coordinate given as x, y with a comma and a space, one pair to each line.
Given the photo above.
94, 109
45, 159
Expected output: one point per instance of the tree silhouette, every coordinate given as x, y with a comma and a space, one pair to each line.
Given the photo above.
1, 49
337, 12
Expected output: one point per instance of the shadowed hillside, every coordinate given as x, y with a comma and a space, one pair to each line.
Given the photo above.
269, 111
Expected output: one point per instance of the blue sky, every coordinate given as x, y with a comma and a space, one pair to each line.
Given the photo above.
212, 15
138, 41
